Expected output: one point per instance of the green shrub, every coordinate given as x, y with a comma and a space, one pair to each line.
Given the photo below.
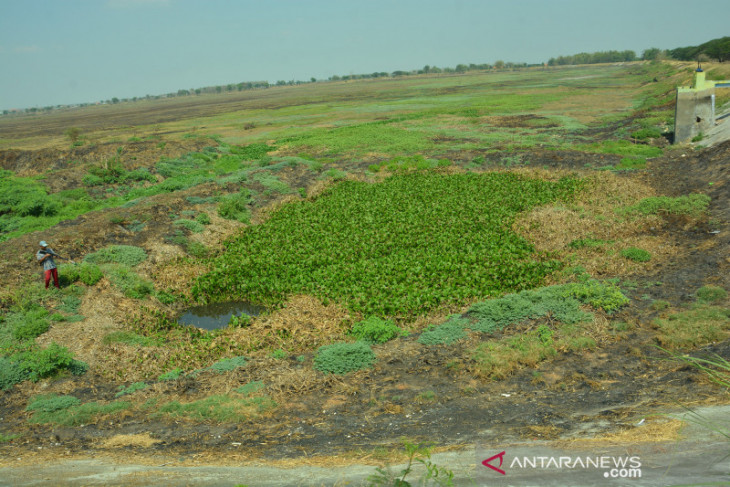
341, 358
191, 225
692, 205
272, 183
196, 249
30, 329
646, 133
128, 338
376, 330
128, 281
251, 387
52, 403
203, 219
45, 362
632, 163
219, 408
11, 373
228, 364
171, 375
77, 415
132, 388
235, 206
637, 255
118, 254
711, 294
85, 272
444, 334
600, 295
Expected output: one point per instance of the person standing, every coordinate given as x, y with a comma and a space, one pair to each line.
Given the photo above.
45, 258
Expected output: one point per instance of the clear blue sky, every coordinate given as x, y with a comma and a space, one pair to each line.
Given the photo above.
71, 51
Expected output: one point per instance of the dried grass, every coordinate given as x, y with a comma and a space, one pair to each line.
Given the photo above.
593, 216
303, 324
139, 440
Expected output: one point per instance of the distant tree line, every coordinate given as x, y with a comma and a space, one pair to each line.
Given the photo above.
718, 49
594, 58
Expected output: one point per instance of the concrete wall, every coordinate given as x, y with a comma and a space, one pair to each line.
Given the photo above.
694, 113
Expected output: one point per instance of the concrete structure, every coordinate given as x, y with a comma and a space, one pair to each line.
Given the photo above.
695, 109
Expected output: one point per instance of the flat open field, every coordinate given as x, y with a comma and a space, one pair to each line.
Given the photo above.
430, 251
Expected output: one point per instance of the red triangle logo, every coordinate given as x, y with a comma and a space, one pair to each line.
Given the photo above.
496, 469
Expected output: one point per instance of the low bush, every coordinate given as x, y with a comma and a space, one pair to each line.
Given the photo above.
635, 254
691, 205
711, 294
78, 414
341, 358
376, 330
695, 327
446, 333
646, 133
130, 389
228, 364
30, 329
128, 281
219, 408
191, 225
118, 254
84, 272
52, 403
236, 206
171, 375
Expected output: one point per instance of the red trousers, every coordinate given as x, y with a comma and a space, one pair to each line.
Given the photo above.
54, 273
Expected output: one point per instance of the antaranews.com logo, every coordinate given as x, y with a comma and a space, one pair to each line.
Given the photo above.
613, 467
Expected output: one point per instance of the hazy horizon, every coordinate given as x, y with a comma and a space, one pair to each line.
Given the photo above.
83, 51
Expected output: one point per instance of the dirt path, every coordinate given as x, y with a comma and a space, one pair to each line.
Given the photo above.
697, 457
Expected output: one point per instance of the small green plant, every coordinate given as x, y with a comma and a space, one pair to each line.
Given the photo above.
278, 354
711, 294
52, 403
659, 305
446, 333
130, 389
191, 225
128, 281
636, 254
698, 137
236, 206
417, 453
251, 388
171, 375
228, 364
118, 254
8, 438
692, 205
203, 219
219, 408
695, 327
128, 338
69, 412
341, 358
376, 330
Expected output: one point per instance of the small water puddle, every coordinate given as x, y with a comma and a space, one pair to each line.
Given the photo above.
218, 315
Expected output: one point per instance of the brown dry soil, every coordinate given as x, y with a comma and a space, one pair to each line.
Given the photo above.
423, 393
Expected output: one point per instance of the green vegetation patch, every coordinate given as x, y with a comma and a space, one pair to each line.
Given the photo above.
376, 330
128, 281
128, 255
446, 333
711, 294
636, 254
398, 248
692, 205
219, 408
68, 410
698, 326
341, 358
84, 272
